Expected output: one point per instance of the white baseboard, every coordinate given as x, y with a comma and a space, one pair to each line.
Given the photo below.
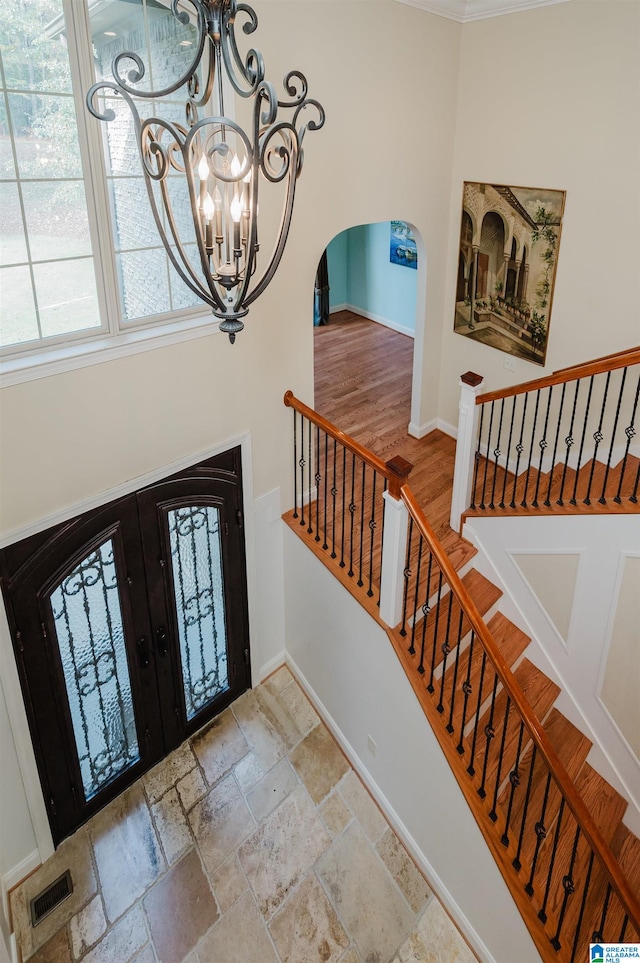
271, 666
392, 817
421, 431
370, 316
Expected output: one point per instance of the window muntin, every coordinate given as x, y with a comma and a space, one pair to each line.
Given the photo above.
148, 283
47, 271
123, 279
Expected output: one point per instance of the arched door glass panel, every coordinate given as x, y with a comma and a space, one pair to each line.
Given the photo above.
196, 562
90, 636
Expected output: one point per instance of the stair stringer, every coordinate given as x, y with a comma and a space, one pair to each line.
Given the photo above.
575, 665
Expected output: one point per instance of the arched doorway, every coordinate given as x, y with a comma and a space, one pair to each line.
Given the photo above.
373, 277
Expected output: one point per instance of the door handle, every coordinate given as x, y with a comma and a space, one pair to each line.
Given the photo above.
161, 641
143, 652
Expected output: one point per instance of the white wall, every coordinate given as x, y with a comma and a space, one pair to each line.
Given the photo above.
551, 98
349, 668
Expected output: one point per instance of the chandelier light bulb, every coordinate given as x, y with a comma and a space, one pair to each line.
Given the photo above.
203, 168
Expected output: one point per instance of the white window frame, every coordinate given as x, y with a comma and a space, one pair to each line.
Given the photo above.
115, 338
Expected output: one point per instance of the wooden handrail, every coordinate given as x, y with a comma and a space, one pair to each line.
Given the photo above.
604, 358
611, 363
573, 799
396, 470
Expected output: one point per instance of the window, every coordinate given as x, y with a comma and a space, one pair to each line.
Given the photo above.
80, 257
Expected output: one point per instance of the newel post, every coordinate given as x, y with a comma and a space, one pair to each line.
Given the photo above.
470, 385
394, 548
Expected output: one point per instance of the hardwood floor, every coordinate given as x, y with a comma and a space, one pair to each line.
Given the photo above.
363, 375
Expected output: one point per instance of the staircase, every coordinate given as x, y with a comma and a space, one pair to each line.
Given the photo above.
560, 444
553, 824
516, 787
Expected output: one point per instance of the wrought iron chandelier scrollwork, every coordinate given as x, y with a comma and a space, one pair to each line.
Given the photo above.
222, 164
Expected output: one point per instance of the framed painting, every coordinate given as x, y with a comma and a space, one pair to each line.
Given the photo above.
402, 247
507, 261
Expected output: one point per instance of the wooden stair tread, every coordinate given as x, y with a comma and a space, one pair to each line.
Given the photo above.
607, 808
626, 848
593, 479
510, 640
431, 630
572, 748
540, 692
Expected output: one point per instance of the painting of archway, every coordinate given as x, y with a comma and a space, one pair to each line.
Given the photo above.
509, 243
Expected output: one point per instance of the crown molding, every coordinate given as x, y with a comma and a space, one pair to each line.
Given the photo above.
465, 11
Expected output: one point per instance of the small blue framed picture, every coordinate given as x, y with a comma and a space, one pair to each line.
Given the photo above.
402, 249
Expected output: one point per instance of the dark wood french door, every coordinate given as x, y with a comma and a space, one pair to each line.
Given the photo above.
130, 632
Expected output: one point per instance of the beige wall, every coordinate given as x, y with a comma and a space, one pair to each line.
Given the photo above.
551, 98
385, 152
386, 75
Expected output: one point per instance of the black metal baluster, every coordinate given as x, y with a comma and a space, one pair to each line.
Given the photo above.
596, 936
426, 608
623, 931
519, 449
486, 460
334, 492
434, 644
295, 463
583, 904
533, 436
477, 460
506, 460
318, 479
569, 441
352, 512
454, 681
412, 647
496, 454
597, 437
543, 446
541, 835
630, 432
547, 500
310, 519
542, 914
569, 888
602, 498
326, 480
467, 689
493, 814
302, 464
372, 527
360, 581
489, 732
446, 649
476, 725
572, 500
344, 503
514, 780
407, 576
525, 809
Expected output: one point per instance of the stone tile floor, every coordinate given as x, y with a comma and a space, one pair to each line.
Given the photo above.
254, 842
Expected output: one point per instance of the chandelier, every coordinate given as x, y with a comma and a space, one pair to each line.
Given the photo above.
223, 165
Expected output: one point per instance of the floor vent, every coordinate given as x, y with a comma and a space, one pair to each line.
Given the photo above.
46, 901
